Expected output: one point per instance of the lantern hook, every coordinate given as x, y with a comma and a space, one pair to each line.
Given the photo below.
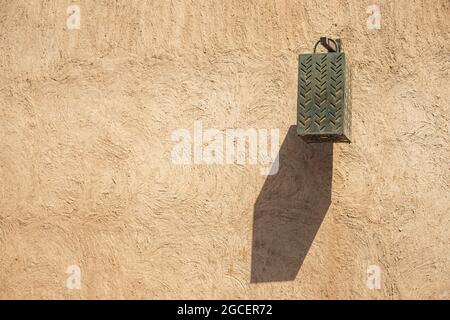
329, 44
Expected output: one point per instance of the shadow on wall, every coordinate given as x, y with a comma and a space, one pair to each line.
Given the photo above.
290, 209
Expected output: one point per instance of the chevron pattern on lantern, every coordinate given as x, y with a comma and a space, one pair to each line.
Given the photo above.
320, 93
321, 97
336, 93
305, 93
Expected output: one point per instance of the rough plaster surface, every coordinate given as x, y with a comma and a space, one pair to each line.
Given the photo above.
85, 140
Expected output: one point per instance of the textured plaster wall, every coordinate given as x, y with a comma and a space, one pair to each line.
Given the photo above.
86, 176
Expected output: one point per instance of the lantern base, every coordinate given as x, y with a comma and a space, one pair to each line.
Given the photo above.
324, 137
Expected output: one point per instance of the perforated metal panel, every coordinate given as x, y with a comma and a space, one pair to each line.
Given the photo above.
324, 95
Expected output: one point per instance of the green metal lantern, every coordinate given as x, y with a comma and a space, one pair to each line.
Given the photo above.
324, 95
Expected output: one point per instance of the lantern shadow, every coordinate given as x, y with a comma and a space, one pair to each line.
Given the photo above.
290, 209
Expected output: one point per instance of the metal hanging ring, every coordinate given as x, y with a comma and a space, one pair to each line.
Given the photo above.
338, 48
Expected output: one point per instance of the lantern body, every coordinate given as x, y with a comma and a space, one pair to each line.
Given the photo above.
324, 98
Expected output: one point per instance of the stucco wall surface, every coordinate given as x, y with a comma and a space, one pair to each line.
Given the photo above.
87, 178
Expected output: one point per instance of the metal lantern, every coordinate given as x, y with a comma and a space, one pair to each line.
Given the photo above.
324, 95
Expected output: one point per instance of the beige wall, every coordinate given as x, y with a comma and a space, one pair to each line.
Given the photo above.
86, 175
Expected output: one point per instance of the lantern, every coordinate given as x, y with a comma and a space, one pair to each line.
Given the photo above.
324, 95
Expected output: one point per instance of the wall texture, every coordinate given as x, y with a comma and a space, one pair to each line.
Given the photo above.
86, 176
